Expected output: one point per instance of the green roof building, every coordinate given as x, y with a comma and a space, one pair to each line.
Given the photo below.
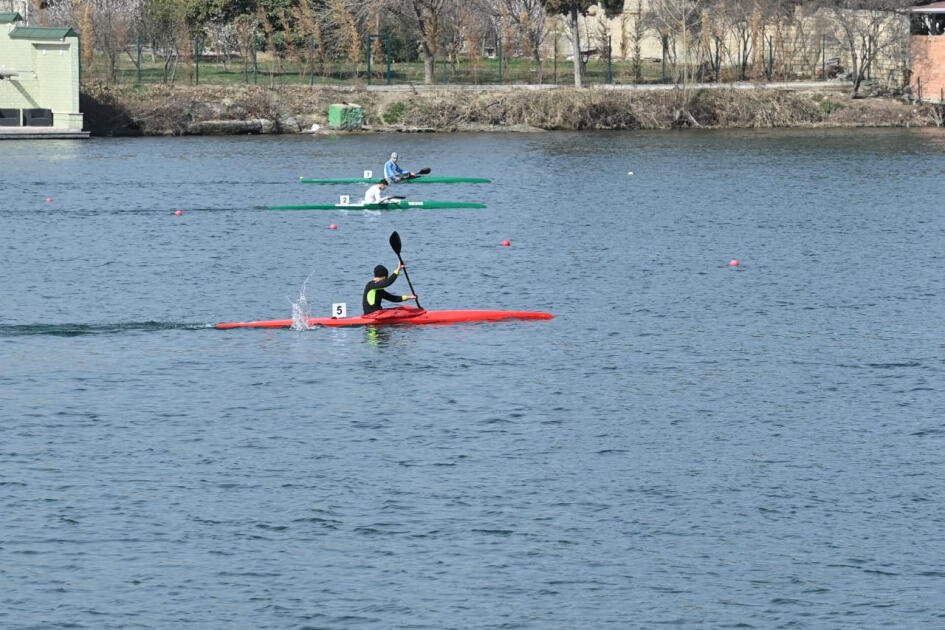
39, 78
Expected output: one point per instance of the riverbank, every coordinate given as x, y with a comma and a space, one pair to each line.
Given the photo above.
216, 110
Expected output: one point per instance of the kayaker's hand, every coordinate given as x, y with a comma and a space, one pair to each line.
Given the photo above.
411, 297
401, 266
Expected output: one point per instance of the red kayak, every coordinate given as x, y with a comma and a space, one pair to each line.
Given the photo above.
399, 315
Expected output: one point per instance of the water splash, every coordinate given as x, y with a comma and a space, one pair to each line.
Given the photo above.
300, 314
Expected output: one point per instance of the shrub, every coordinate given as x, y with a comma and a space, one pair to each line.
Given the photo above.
394, 113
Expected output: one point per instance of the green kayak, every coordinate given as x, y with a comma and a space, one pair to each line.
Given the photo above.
394, 205
421, 179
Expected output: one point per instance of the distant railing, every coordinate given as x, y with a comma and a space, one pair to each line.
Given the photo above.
202, 64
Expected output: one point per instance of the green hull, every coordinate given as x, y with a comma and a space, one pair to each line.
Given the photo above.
395, 205
422, 179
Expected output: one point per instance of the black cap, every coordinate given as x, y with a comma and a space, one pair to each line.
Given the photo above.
380, 271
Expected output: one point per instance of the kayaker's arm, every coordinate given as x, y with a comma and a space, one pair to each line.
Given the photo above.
395, 298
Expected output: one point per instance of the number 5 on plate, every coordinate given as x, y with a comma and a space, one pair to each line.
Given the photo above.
339, 310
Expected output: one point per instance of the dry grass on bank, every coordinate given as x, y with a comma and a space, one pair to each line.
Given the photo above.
169, 110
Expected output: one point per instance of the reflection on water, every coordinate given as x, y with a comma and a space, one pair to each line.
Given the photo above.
929, 138
377, 335
58, 150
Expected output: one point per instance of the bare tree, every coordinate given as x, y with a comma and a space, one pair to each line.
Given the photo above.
84, 20
245, 27
343, 20
738, 18
474, 25
869, 29
528, 20
163, 25
635, 36
571, 9
426, 19
312, 26
112, 23
680, 21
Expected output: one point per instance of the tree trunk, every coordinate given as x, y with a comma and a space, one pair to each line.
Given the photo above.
536, 56
429, 77
576, 47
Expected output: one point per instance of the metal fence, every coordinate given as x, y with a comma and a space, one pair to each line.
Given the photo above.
197, 63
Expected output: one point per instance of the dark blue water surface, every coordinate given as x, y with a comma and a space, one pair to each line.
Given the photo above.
687, 443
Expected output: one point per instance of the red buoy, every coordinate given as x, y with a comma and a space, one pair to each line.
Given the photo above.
332, 227
48, 199
177, 213
506, 243
733, 263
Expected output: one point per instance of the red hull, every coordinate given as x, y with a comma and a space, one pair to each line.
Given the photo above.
400, 315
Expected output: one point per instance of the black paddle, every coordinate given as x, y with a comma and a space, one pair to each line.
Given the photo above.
395, 245
422, 171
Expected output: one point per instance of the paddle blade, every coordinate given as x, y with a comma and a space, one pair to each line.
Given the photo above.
395, 242
424, 171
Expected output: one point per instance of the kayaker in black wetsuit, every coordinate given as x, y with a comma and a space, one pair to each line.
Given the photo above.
374, 290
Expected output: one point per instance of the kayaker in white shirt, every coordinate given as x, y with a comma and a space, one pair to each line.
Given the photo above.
375, 194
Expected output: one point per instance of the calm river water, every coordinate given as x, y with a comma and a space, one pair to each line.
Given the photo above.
687, 442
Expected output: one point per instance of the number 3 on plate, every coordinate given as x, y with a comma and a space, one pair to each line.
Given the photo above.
339, 310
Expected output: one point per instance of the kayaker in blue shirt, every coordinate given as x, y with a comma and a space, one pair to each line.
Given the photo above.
392, 171
374, 290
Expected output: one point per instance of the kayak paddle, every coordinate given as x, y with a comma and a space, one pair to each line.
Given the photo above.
421, 172
395, 245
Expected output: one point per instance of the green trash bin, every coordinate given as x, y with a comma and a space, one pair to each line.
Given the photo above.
345, 116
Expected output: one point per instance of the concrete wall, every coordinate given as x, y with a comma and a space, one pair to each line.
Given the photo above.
48, 76
928, 66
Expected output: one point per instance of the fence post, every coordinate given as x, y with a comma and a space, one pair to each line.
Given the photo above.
197, 60
387, 54
255, 63
498, 47
823, 57
663, 79
311, 67
718, 62
445, 64
138, 81
556, 57
770, 57
386, 38
610, 65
